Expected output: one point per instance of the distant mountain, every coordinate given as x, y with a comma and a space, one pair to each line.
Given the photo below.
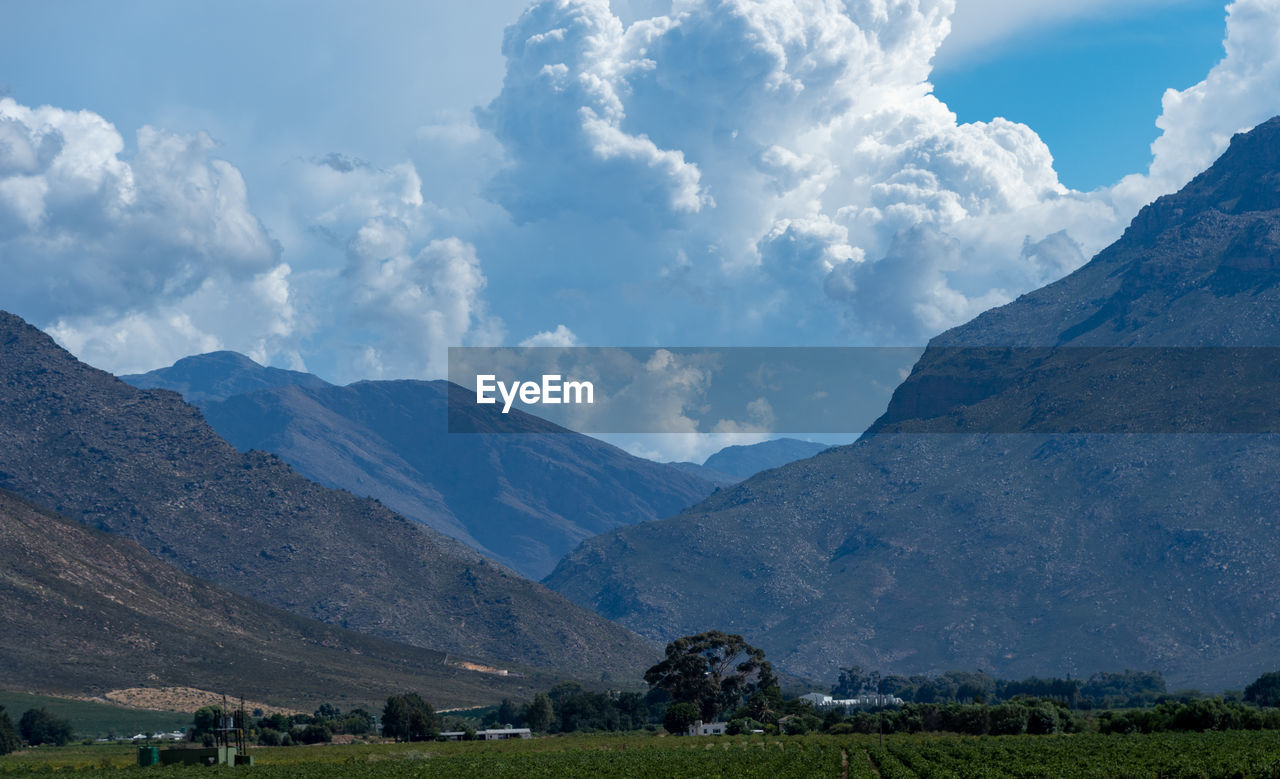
85, 612
1024, 553
746, 461
718, 478
219, 375
146, 466
524, 497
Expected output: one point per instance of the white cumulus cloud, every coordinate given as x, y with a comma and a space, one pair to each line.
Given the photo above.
785, 152
133, 260
1240, 92
561, 336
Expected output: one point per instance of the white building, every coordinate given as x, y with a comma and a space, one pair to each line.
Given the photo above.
699, 728
493, 734
865, 701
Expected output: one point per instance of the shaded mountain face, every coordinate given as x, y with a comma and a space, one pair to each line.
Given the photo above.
1021, 553
746, 461
523, 496
85, 612
145, 465
205, 378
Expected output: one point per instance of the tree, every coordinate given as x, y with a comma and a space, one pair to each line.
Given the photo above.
356, 722
409, 718
679, 717
38, 726
538, 713
854, 682
508, 713
714, 671
9, 740
1265, 690
315, 734
328, 711
277, 721
205, 720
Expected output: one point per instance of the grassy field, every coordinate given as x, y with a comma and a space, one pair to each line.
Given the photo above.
1230, 754
95, 720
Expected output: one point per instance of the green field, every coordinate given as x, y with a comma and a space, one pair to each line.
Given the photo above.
95, 720
1221, 754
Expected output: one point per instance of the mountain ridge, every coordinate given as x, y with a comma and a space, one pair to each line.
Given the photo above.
144, 464
1024, 553
523, 494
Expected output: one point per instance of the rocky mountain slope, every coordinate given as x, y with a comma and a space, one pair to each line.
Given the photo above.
146, 466
86, 612
1033, 551
524, 496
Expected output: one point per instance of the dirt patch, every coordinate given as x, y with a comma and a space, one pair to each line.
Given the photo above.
184, 699
484, 669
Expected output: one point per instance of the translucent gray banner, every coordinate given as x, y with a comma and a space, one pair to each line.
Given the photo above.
849, 390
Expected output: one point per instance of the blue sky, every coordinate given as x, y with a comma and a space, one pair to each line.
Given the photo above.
352, 188
1062, 81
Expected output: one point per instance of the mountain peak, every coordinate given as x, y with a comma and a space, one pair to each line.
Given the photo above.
1245, 179
1200, 267
222, 357
1247, 175
214, 376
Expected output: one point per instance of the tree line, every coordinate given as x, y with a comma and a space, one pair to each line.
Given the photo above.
1099, 691
35, 727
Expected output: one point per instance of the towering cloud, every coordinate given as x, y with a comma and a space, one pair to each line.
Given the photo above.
787, 146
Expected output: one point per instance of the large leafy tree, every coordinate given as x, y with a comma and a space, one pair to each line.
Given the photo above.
1265, 690
39, 726
539, 713
714, 671
409, 718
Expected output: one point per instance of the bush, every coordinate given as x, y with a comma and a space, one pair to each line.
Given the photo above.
269, 738
1010, 719
315, 734
799, 724
1043, 720
742, 726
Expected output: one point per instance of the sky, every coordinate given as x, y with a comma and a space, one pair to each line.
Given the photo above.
351, 188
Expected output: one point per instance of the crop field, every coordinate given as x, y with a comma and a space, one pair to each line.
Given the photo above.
1220, 754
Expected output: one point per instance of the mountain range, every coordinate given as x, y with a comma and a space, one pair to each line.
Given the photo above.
1015, 548
144, 465
524, 495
